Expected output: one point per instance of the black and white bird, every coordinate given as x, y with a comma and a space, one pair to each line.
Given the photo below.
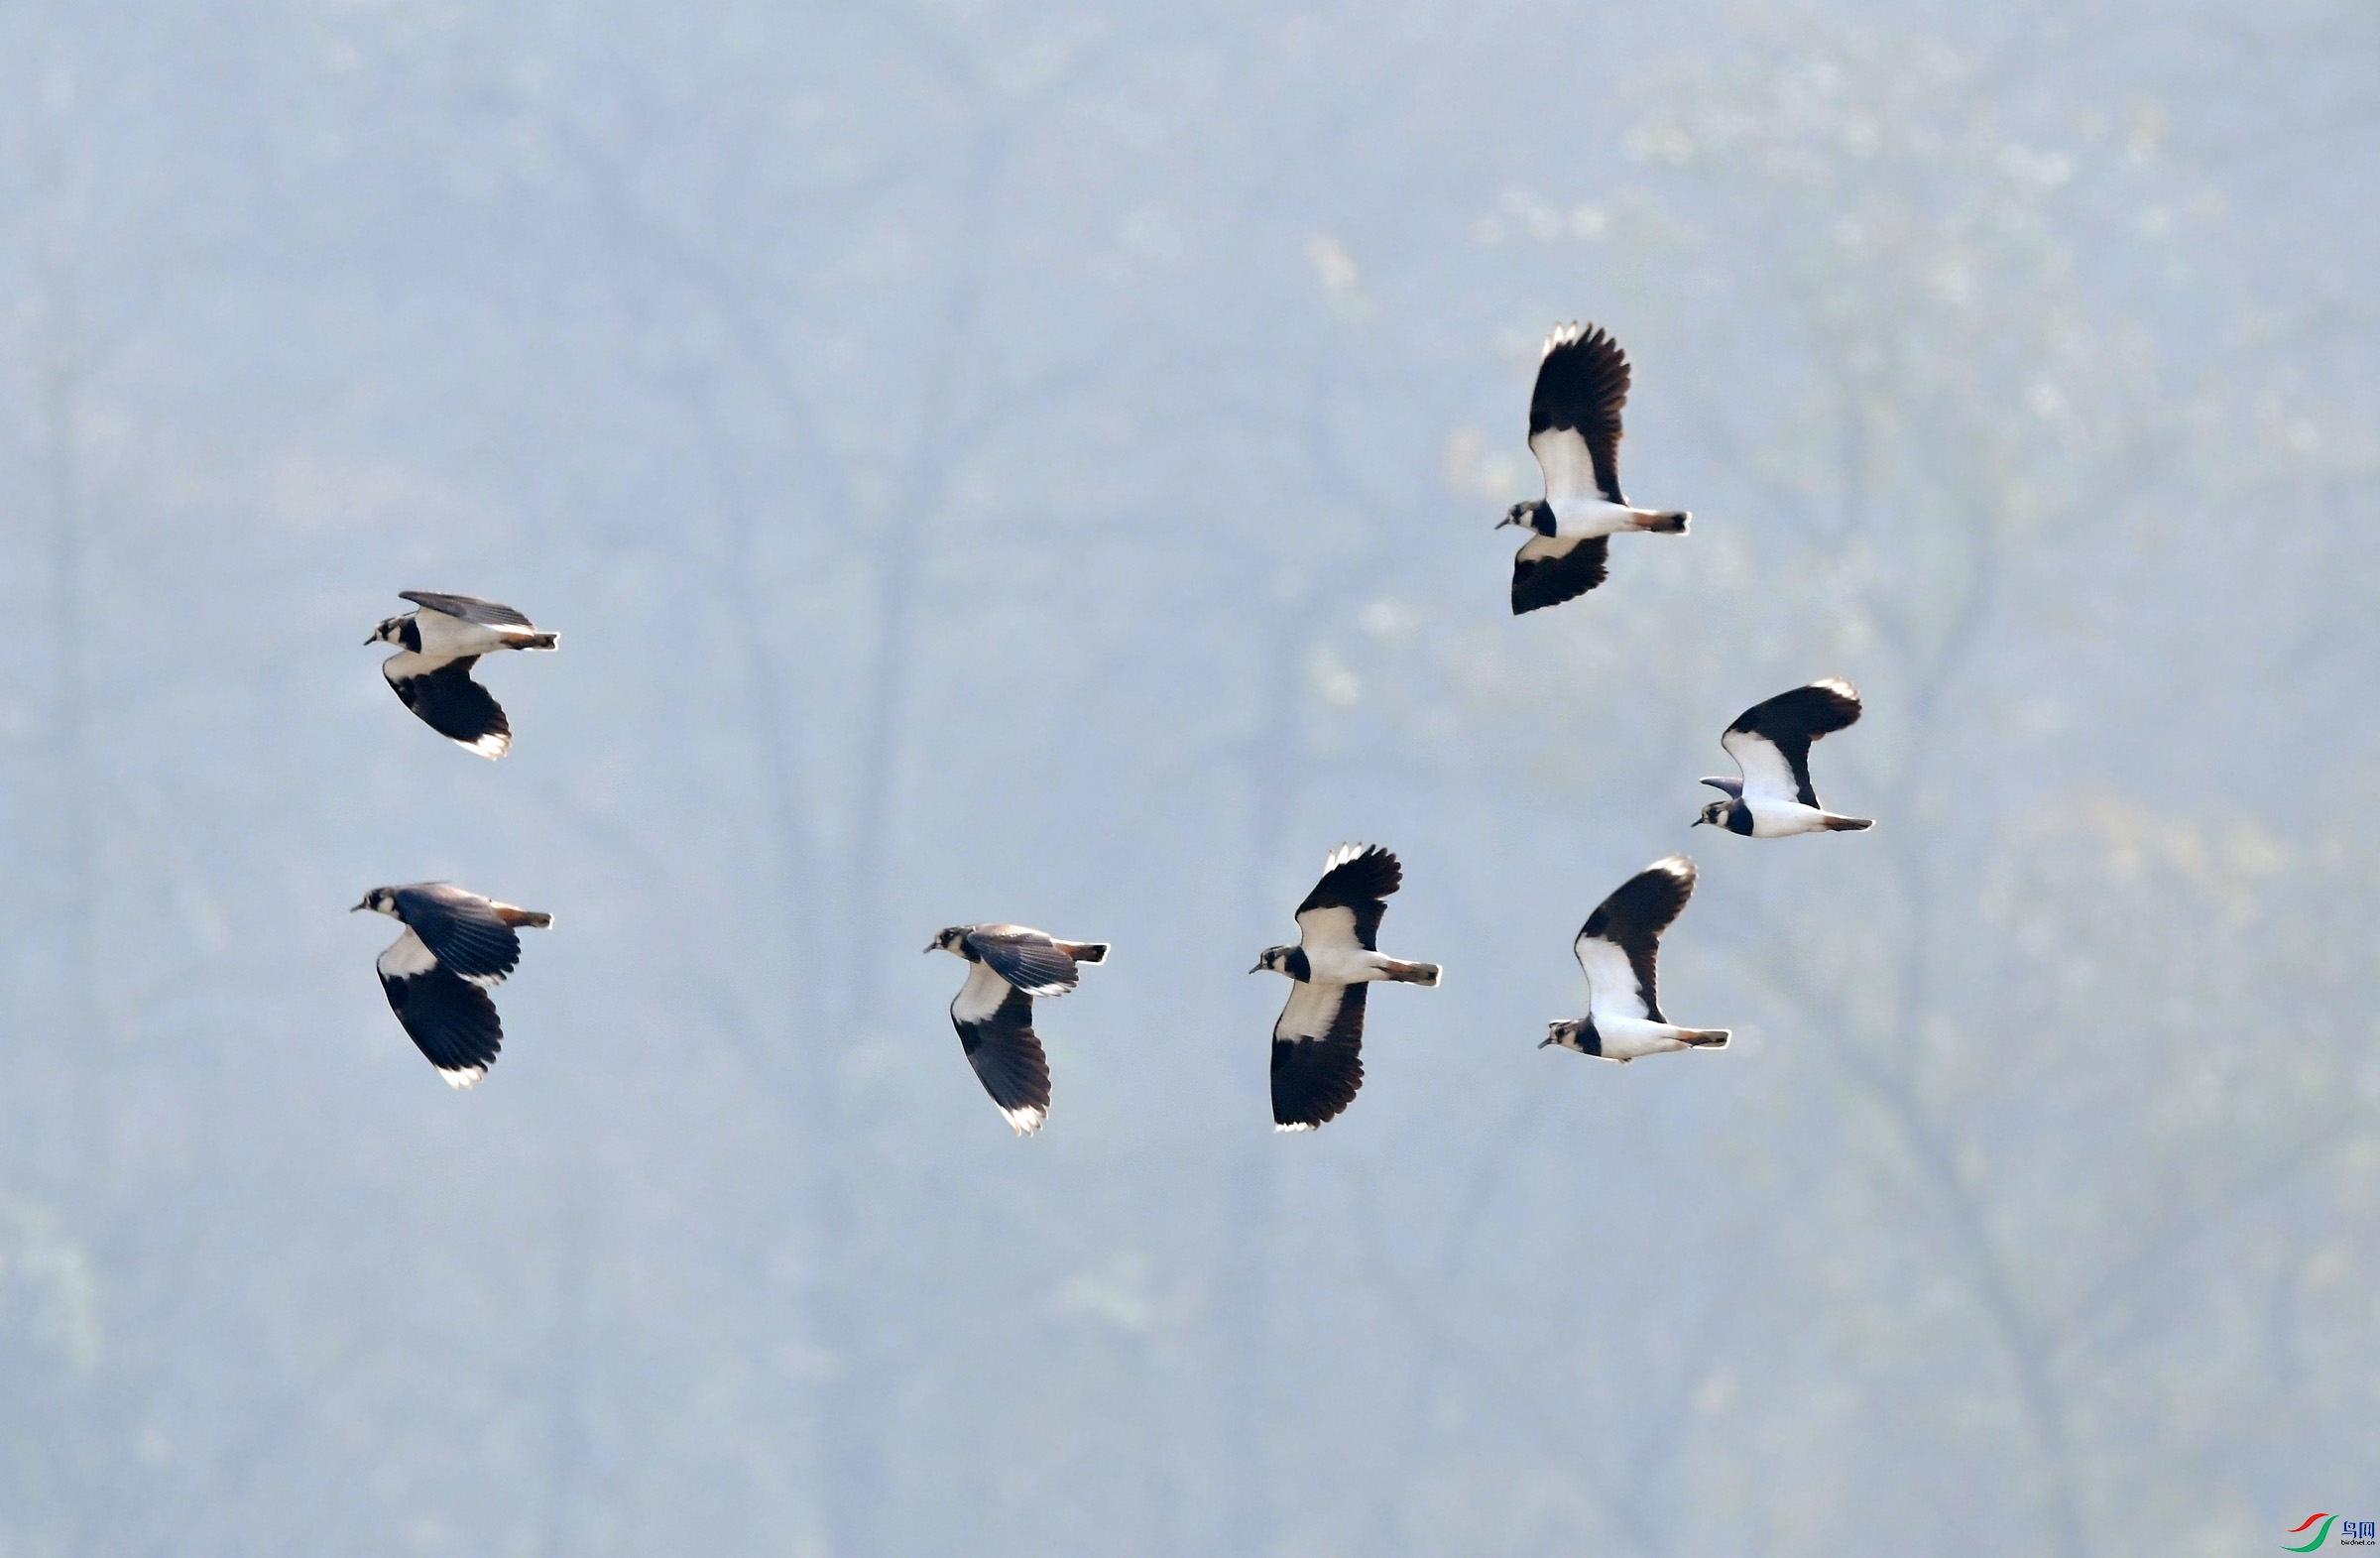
1617, 949
1318, 1040
1008, 966
438, 645
1770, 743
1574, 430
456, 947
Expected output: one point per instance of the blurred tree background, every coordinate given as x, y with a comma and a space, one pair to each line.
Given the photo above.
1037, 462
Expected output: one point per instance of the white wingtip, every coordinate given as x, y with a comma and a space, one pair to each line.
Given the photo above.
1025, 1122
1342, 855
462, 1076
1300, 1126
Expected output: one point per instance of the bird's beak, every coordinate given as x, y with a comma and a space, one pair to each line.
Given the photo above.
375, 639
366, 903
1260, 968
1507, 519
1543, 1042
1699, 821
933, 946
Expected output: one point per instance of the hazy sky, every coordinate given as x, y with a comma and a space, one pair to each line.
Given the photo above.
1040, 464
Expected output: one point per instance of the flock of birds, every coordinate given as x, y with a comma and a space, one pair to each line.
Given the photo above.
458, 945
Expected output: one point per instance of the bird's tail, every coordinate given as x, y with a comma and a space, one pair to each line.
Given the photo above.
1665, 522
1084, 952
1836, 824
1412, 973
1703, 1037
535, 920
535, 641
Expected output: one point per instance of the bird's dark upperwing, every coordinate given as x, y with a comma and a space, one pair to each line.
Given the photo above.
486, 613
451, 1019
1619, 946
995, 1021
1025, 958
1790, 722
1355, 881
463, 930
450, 702
1317, 1054
1581, 383
1550, 569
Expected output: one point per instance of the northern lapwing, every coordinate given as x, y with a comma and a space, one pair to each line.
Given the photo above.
1008, 966
1574, 430
438, 644
1617, 950
1770, 743
1318, 1040
456, 947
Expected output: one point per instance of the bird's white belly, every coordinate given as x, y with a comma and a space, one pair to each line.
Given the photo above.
1585, 518
445, 638
1626, 1038
1776, 819
1344, 965
407, 956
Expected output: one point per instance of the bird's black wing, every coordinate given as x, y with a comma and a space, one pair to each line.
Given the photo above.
463, 930
1317, 1054
1629, 922
1550, 569
451, 1019
1355, 880
1025, 958
995, 1021
486, 613
1581, 383
451, 704
1790, 722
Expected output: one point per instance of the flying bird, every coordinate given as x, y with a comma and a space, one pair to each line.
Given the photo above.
1318, 1040
1770, 743
456, 947
1617, 949
1574, 430
1009, 965
438, 644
